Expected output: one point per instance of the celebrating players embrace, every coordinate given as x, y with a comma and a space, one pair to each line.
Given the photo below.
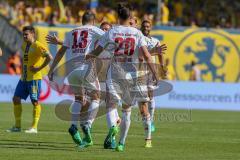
126, 48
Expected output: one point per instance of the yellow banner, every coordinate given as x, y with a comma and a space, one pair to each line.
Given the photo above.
215, 51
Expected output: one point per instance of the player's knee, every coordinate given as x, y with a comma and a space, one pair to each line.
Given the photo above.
125, 107
150, 94
34, 102
141, 112
79, 98
143, 109
110, 107
112, 103
16, 100
95, 96
126, 116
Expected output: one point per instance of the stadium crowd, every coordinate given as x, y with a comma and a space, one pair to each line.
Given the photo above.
22, 13
207, 13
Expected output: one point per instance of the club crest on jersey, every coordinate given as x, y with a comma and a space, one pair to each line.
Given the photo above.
215, 54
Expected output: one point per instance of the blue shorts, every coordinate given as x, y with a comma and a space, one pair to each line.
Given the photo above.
28, 88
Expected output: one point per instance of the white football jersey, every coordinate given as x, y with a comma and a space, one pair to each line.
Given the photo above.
123, 41
151, 43
82, 40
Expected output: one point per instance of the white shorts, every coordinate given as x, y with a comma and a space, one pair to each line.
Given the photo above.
122, 85
84, 77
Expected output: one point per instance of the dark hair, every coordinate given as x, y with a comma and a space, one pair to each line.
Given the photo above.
87, 17
29, 28
105, 23
146, 21
124, 11
193, 63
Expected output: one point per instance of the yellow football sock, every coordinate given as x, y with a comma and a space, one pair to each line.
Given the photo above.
36, 115
17, 114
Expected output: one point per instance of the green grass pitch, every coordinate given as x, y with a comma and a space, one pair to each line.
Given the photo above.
180, 135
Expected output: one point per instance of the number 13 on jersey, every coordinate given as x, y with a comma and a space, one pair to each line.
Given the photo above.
80, 41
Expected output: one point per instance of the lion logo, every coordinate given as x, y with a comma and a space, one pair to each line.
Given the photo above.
216, 55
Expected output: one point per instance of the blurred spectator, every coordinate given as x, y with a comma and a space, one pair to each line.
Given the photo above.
195, 72
53, 19
37, 15
164, 14
14, 64
202, 13
193, 24
149, 17
47, 10
178, 12
4, 9
111, 16
199, 17
69, 18
106, 14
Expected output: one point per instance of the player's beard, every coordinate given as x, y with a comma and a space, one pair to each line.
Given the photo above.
146, 33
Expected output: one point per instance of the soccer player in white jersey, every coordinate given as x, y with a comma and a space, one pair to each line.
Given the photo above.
143, 104
145, 78
81, 41
102, 67
126, 40
151, 41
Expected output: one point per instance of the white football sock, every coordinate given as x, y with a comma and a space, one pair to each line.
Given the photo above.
92, 112
75, 111
124, 126
116, 114
111, 117
151, 109
147, 126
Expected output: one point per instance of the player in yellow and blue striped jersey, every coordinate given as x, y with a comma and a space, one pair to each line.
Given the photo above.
35, 58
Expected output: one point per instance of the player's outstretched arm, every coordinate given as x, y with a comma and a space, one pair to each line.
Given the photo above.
159, 49
56, 60
163, 69
147, 57
96, 52
53, 39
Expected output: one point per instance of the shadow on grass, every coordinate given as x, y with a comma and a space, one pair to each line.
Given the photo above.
37, 148
36, 145
37, 142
